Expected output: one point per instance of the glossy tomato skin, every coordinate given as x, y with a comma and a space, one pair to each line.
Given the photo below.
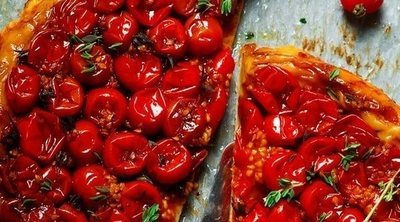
205, 35
185, 7
68, 213
169, 38
169, 162
259, 213
147, 110
149, 13
222, 67
119, 29
216, 101
22, 88
106, 6
282, 130
101, 60
59, 181
351, 215
106, 107
285, 211
251, 119
68, 97
139, 71
85, 143
49, 51
361, 7
41, 136
125, 153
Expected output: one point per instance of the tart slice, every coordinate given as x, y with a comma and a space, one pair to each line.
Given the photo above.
315, 142
107, 107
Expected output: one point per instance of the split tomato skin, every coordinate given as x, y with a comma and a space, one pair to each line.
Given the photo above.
119, 29
169, 162
60, 184
125, 153
149, 13
22, 88
361, 7
282, 130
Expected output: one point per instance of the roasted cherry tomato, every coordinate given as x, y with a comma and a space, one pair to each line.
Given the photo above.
138, 71
251, 119
274, 79
205, 35
186, 120
169, 162
169, 38
41, 136
149, 13
91, 67
267, 100
106, 107
84, 143
56, 183
8, 212
49, 51
68, 213
125, 153
285, 211
217, 101
147, 109
185, 7
119, 30
259, 213
382, 165
22, 88
106, 6
68, 97
137, 196
220, 70
42, 213
282, 130
286, 166
361, 7
351, 215
183, 80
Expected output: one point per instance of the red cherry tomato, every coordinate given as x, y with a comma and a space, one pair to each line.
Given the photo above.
8, 212
217, 101
68, 213
169, 162
89, 183
119, 29
125, 153
49, 51
282, 130
251, 119
315, 147
117, 215
138, 71
382, 166
355, 178
84, 143
146, 110
361, 7
41, 136
183, 80
22, 88
106, 107
205, 35
169, 38
274, 79
351, 215
267, 100
94, 71
186, 120
42, 213
221, 68
285, 211
137, 196
56, 183
185, 7
106, 6
259, 213
69, 97
149, 13
284, 164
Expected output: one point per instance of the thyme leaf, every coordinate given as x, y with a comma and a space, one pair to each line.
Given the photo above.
151, 214
334, 74
226, 7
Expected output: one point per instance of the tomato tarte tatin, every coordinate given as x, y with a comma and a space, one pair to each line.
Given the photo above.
109, 106
315, 143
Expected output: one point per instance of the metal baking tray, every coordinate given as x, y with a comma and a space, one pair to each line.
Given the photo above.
369, 46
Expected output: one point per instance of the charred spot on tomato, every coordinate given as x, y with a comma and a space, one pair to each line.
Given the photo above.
45, 97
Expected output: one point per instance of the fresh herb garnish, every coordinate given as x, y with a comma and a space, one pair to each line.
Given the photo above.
334, 74
103, 189
91, 38
151, 214
46, 185
28, 202
310, 175
249, 35
99, 197
90, 69
329, 179
322, 217
76, 39
287, 192
86, 55
115, 45
87, 47
346, 160
331, 93
226, 7
203, 5
352, 148
303, 20
393, 190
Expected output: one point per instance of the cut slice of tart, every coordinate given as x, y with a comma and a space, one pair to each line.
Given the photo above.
314, 143
107, 107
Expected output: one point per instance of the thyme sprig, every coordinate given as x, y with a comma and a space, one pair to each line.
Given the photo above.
226, 7
151, 214
286, 192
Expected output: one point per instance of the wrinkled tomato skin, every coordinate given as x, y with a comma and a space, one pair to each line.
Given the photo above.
106, 6
22, 88
146, 110
119, 29
139, 71
60, 182
125, 153
351, 215
149, 13
49, 51
267, 100
223, 64
216, 106
282, 130
169, 162
68, 99
251, 119
285, 211
381, 166
169, 38
68, 213
41, 136
85, 143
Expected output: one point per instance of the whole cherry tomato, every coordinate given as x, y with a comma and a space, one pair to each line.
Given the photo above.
22, 88
169, 38
205, 35
68, 97
106, 6
49, 51
149, 13
84, 143
183, 80
186, 120
106, 107
93, 70
351, 215
41, 136
169, 162
282, 130
147, 109
285, 211
56, 183
361, 7
138, 71
120, 30
185, 7
68, 213
125, 153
